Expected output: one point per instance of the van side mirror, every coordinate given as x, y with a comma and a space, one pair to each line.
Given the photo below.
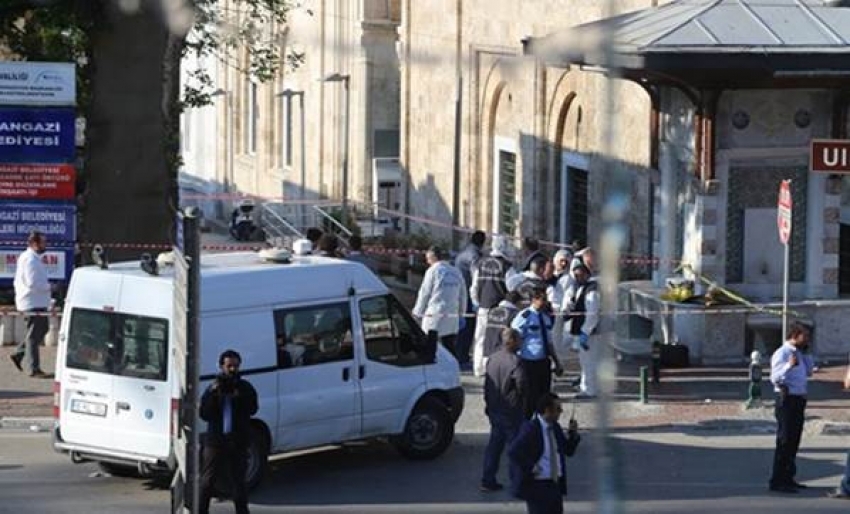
429, 353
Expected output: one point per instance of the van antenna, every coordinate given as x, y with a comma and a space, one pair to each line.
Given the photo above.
351, 290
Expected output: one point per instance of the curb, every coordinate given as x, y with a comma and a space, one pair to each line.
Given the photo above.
31, 424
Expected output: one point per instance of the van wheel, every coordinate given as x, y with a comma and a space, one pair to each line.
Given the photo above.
119, 470
428, 432
258, 457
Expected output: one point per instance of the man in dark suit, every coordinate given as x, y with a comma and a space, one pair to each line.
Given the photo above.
538, 458
227, 406
503, 395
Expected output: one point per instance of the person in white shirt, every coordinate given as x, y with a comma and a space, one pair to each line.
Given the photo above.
558, 286
32, 298
441, 302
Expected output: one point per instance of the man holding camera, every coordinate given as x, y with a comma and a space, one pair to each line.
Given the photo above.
227, 406
790, 369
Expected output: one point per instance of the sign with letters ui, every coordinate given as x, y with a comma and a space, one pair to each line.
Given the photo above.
37, 83
37, 135
55, 220
829, 156
37, 181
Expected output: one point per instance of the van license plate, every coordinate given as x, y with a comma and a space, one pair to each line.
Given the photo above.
90, 408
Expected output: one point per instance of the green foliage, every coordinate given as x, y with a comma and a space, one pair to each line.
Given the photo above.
58, 30
55, 31
420, 240
255, 27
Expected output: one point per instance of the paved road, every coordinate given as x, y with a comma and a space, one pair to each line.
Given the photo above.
664, 472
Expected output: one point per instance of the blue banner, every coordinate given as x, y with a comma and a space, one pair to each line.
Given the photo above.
57, 221
37, 136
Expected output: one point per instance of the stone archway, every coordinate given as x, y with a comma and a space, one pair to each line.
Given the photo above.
564, 117
495, 85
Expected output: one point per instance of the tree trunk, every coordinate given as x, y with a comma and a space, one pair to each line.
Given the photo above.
130, 166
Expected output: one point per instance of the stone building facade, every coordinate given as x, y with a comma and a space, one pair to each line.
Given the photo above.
276, 145
512, 145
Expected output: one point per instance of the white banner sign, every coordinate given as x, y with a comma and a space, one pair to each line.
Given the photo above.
37, 83
55, 261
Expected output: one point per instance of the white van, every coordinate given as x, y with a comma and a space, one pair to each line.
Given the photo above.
333, 355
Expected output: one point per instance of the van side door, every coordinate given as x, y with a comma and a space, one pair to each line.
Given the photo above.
392, 371
317, 377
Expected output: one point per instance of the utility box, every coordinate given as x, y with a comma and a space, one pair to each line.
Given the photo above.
388, 188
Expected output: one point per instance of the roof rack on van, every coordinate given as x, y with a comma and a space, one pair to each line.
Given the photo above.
165, 259
98, 256
276, 255
149, 264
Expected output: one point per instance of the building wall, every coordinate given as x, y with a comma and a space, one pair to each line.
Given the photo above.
347, 37
515, 101
201, 172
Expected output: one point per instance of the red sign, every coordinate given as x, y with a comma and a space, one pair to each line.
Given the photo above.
37, 181
830, 156
783, 211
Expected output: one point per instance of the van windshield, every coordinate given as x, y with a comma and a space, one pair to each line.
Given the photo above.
118, 344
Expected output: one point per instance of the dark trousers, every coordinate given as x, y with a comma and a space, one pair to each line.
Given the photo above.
449, 342
544, 497
790, 410
538, 376
502, 431
465, 337
845, 480
37, 327
226, 464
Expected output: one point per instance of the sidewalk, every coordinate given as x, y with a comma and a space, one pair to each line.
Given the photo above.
22, 396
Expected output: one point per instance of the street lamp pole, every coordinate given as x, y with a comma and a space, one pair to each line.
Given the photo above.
345, 79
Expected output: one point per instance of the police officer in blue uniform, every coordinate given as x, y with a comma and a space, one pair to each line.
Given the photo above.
537, 354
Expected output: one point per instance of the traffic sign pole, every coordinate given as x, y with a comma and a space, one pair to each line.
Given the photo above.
785, 283
784, 211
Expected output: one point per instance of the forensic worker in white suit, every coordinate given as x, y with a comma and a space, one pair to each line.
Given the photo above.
441, 302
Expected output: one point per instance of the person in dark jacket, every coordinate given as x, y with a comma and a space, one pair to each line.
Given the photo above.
356, 254
531, 247
227, 406
488, 289
527, 281
499, 318
504, 390
538, 458
466, 262
327, 246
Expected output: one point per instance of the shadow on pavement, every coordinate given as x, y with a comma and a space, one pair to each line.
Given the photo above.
373, 474
9, 395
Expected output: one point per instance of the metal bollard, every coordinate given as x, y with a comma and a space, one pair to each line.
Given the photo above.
656, 362
7, 329
644, 384
755, 380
